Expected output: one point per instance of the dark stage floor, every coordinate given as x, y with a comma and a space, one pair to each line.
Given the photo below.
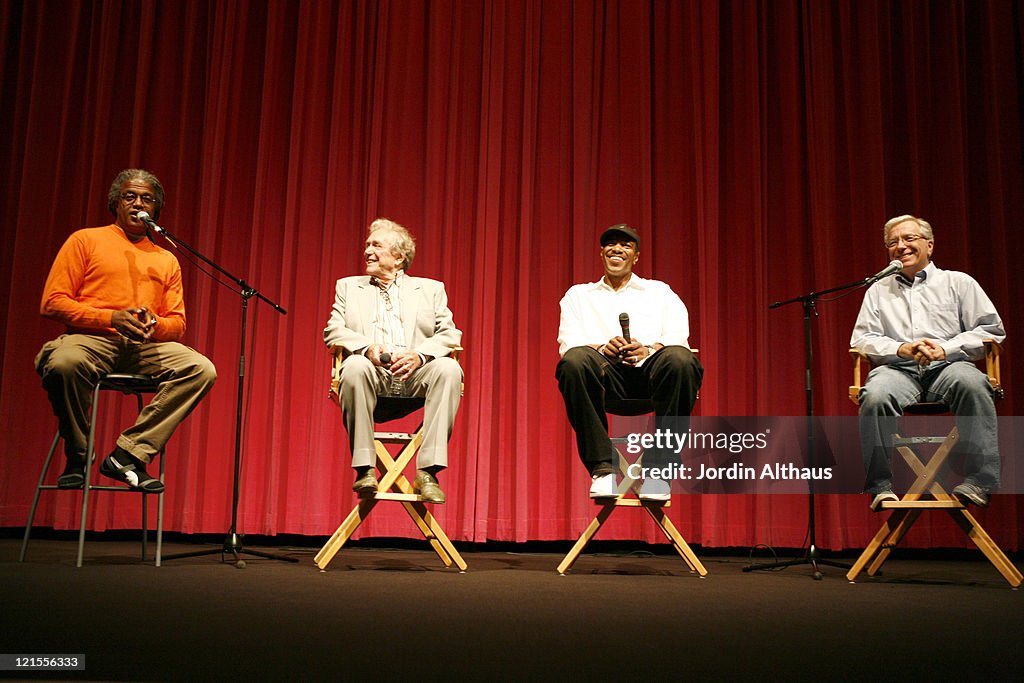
381, 613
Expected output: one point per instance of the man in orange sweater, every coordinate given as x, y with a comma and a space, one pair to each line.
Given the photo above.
119, 296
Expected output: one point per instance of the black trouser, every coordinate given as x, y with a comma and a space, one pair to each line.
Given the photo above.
589, 381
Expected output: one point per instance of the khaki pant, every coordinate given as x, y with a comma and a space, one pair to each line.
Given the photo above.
439, 381
72, 364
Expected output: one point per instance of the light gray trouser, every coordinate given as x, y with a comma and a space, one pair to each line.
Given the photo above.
439, 382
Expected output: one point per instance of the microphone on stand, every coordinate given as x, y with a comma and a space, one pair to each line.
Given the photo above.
894, 267
150, 223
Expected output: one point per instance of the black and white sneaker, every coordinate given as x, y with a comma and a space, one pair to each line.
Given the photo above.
124, 467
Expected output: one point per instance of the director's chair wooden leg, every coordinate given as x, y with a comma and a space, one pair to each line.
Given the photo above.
584, 539
607, 508
394, 485
911, 502
367, 503
966, 521
908, 509
899, 526
344, 532
432, 531
394, 467
426, 522
657, 513
875, 544
656, 509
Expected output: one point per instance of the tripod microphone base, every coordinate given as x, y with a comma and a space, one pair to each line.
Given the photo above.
812, 558
232, 545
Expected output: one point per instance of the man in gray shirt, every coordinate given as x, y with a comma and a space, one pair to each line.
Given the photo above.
921, 329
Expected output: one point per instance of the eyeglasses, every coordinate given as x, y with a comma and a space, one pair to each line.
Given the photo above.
907, 239
130, 197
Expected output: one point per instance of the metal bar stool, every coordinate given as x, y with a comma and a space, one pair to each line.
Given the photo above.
127, 384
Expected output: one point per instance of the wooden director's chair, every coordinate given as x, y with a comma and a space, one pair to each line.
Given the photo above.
627, 496
393, 483
925, 493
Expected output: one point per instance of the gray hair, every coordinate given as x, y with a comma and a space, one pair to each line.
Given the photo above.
925, 226
114, 194
402, 242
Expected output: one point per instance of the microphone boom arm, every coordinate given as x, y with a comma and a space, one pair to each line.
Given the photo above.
246, 290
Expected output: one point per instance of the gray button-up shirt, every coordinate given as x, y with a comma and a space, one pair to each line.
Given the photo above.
945, 306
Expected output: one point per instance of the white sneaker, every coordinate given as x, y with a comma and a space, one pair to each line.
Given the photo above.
655, 489
603, 486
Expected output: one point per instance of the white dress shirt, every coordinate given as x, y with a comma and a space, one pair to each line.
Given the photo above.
590, 314
945, 306
388, 329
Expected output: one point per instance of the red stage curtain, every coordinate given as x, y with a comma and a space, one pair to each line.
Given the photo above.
758, 146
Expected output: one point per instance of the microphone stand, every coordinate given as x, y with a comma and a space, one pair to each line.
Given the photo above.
233, 542
812, 556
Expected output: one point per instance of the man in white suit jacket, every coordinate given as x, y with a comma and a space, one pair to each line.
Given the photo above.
397, 334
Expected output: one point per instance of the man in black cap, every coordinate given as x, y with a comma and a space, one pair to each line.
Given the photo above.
601, 365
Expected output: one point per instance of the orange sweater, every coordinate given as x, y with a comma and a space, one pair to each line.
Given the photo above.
99, 271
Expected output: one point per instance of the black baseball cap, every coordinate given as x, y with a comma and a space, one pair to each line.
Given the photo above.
618, 231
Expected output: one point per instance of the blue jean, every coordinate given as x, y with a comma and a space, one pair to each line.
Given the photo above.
960, 385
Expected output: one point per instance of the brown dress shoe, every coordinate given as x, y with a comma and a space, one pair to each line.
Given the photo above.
426, 485
366, 483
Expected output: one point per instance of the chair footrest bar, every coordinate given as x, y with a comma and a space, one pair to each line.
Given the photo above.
632, 502
404, 497
923, 504
914, 440
393, 437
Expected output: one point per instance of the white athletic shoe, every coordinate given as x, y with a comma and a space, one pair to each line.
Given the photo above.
603, 486
655, 489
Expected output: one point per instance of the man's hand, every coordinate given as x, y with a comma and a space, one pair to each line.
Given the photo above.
135, 324
613, 347
923, 351
373, 352
148, 320
926, 350
629, 352
404, 364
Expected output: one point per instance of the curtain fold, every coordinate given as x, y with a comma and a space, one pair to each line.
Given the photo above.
758, 147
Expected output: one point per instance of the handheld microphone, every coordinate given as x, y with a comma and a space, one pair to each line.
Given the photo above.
385, 358
150, 223
624, 323
894, 267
